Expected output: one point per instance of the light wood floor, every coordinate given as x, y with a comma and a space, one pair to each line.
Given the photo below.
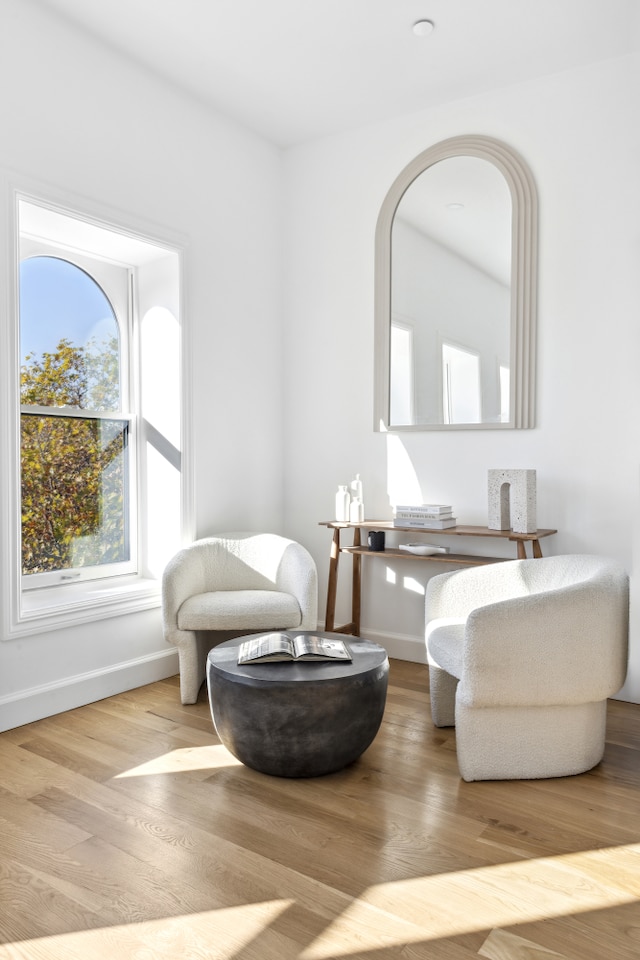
129, 833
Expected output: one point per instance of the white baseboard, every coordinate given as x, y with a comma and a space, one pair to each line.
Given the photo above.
399, 646
48, 699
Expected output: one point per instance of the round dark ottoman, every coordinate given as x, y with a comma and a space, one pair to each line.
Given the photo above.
298, 719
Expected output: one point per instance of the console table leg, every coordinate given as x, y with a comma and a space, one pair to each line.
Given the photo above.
332, 583
356, 591
537, 549
522, 553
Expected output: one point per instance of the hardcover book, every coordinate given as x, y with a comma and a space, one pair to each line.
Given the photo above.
426, 523
416, 515
429, 509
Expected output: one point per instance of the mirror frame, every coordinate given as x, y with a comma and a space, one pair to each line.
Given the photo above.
524, 271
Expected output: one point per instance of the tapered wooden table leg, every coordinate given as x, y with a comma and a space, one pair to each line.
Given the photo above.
356, 591
332, 584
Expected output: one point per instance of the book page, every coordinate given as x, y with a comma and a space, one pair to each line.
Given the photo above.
313, 646
272, 645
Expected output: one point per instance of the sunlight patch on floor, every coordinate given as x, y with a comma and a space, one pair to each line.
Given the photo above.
502, 945
214, 933
188, 759
450, 904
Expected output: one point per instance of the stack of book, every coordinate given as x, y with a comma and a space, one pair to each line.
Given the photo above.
426, 516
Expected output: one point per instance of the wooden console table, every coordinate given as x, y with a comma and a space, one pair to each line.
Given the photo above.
357, 551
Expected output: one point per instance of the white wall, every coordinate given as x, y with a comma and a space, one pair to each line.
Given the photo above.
578, 132
96, 131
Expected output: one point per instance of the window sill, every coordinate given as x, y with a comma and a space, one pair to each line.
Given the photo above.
54, 608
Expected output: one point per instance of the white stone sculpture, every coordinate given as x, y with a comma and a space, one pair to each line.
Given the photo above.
512, 500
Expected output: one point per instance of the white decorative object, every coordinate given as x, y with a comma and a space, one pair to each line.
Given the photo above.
512, 500
356, 491
356, 510
422, 549
342, 503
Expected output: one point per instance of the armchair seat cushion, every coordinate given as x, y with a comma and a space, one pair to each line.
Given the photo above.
445, 645
239, 610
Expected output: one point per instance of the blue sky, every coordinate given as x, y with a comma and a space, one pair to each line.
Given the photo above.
58, 299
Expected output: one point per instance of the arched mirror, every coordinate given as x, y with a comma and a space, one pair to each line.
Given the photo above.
455, 291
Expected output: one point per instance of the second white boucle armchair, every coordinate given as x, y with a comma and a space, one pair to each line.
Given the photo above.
522, 658
230, 583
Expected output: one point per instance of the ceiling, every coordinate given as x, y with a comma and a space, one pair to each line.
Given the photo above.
295, 70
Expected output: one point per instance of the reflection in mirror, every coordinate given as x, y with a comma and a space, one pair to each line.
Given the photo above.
461, 385
451, 270
455, 291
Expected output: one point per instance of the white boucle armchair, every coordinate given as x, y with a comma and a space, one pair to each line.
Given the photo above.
522, 658
234, 583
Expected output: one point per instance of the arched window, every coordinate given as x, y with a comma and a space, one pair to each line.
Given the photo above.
74, 437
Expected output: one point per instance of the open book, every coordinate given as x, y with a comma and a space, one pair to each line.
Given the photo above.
283, 646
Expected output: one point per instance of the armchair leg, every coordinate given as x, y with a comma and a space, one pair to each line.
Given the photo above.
192, 673
443, 696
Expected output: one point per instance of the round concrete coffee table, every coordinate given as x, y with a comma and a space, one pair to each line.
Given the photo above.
300, 719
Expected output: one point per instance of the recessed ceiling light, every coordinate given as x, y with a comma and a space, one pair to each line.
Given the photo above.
455, 206
423, 28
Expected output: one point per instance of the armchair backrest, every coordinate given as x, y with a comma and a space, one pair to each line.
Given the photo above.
457, 593
236, 561
241, 561
563, 640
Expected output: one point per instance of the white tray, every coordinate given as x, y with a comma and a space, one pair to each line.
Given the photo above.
423, 549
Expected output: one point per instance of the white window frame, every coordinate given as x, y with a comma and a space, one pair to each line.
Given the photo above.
122, 308
403, 326
504, 390
56, 607
447, 385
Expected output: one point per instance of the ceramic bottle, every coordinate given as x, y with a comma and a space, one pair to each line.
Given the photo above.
356, 510
342, 503
356, 495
